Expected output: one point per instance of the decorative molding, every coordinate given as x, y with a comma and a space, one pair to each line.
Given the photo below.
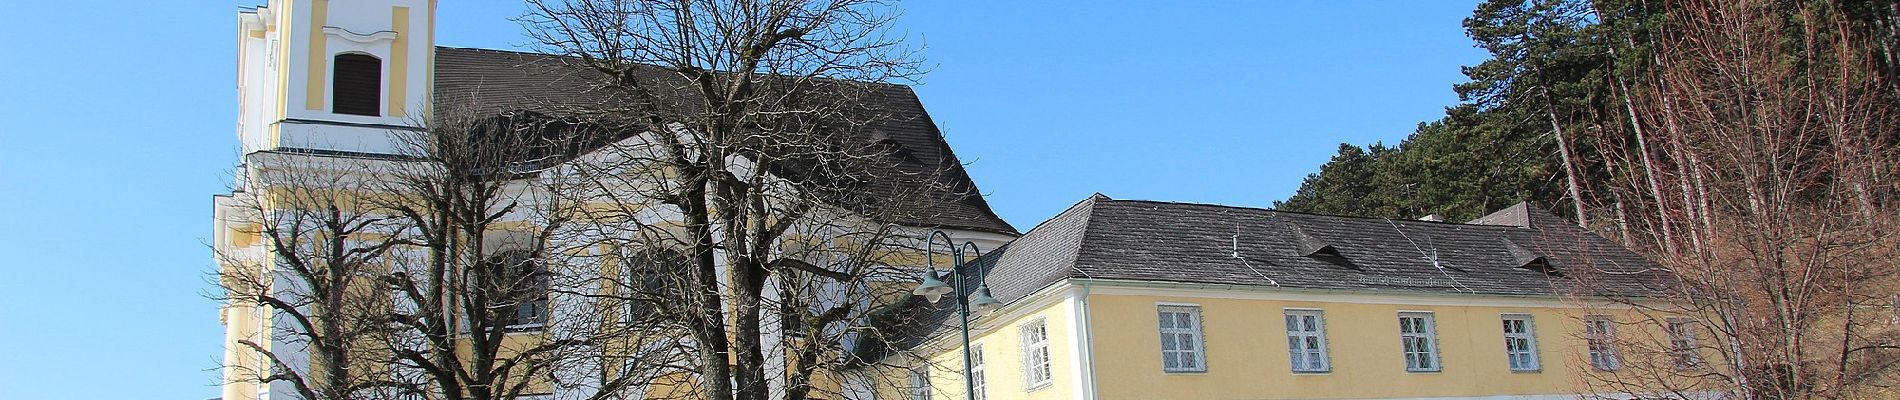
371, 37
301, 121
1031, 305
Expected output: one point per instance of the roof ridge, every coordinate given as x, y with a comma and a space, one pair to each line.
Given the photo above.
563, 56
1072, 207
1082, 237
1273, 210
522, 52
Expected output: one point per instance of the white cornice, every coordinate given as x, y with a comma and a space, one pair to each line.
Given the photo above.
371, 37
984, 324
253, 20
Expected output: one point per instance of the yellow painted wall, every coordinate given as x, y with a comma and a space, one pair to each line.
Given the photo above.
1247, 355
674, 386
511, 345
1003, 356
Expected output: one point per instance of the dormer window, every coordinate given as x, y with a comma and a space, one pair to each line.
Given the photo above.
1526, 258
1309, 245
357, 85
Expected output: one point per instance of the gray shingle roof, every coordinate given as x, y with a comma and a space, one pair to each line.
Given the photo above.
494, 82
1106, 239
1199, 243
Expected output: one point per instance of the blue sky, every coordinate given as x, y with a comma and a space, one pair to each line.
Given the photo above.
117, 121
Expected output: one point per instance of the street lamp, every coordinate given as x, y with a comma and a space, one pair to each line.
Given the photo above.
978, 300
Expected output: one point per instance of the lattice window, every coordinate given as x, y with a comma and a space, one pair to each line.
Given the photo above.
1417, 334
1036, 370
1520, 342
1181, 339
1306, 341
1599, 332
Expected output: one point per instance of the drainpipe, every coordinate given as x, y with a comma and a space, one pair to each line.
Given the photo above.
1086, 355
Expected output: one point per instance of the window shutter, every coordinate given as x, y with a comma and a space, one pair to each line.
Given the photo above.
357, 85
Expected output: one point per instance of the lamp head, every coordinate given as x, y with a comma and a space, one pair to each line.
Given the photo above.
932, 288
982, 302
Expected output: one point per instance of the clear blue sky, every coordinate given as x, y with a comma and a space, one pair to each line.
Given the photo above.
117, 121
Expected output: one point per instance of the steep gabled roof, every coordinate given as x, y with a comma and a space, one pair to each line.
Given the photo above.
494, 82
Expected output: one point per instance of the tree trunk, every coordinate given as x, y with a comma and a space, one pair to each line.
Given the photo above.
1649, 169
1570, 169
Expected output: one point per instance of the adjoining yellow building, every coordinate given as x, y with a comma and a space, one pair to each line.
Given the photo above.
1118, 299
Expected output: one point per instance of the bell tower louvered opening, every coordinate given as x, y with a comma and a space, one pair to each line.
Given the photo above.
357, 84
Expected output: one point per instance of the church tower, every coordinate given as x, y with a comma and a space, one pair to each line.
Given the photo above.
322, 77
333, 75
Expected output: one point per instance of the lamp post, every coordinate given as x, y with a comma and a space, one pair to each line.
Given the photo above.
979, 300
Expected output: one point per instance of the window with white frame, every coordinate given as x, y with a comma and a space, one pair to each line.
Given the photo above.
979, 389
1181, 339
1599, 332
1520, 342
1682, 342
1419, 340
920, 383
1036, 370
1306, 341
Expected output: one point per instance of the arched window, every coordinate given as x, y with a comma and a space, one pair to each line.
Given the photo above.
357, 84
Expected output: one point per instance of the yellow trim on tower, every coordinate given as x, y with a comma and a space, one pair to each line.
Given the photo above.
428, 66
319, 66
282, 29
399, 62
280, 60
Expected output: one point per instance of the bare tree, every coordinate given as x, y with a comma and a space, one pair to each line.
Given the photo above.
1766, 140
751, 202
473, 310
310, 268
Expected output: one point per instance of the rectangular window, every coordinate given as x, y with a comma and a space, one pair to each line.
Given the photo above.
1181, 339
920, 383
977, 378
1600, 332
1036, 371
529, 290
1306, 341
1682, 343
1418, 338
1520, 342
